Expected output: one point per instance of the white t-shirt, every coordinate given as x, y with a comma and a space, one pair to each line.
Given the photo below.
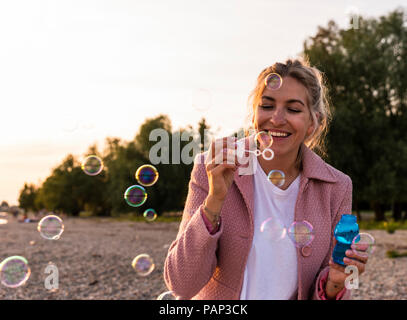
271, 269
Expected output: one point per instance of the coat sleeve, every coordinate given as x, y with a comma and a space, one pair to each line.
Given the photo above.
191, 258
344, 208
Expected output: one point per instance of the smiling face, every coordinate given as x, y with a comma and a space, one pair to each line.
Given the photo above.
286, 114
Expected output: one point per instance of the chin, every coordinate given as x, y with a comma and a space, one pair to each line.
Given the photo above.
280, 151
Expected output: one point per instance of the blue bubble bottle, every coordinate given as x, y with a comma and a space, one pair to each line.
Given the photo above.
345, 231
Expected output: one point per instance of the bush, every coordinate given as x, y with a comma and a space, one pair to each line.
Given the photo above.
391, 226
395, 254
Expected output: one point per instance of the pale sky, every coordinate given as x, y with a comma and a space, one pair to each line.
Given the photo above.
75, 72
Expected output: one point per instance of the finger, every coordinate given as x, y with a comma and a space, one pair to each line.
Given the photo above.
217, 146
225, 143
216, 169
360, 246
224, 158
242, 153
357, 264
211, 152
360, 256
363, 250
230, 155
227, 155
229, 144
336, 266
219, 169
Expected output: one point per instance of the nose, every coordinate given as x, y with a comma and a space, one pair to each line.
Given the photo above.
278, 117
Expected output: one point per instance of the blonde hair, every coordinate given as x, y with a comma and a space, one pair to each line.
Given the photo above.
317, 98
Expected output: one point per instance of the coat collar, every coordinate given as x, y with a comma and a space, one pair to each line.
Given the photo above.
313, 167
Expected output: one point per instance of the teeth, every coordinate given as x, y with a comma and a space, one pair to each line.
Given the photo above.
279, 134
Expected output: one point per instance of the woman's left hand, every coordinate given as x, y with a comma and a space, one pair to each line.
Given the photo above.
357, 258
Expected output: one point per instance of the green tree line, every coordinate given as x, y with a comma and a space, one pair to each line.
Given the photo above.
69, 190
366, 72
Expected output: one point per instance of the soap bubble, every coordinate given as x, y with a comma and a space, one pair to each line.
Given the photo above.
143, 264
264, 139
277, 177
14, 271
168, 295
273, 81
270, 152
92, 165
135, 196
150, 215
363, 244
51, 227
273, 229
147, 175
301, 233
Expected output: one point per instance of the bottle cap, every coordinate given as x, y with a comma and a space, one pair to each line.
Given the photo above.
349, 217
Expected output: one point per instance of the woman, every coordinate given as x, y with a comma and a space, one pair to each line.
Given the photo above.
220, 251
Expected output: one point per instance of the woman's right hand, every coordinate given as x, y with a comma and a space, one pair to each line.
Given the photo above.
221, 164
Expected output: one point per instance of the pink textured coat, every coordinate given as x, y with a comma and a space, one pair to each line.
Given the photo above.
211, 267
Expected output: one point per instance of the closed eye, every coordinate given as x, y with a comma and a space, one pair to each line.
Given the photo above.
294, 110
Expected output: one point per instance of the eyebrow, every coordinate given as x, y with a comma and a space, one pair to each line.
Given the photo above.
288, 101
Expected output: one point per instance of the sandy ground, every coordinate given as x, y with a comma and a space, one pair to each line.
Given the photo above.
94, 258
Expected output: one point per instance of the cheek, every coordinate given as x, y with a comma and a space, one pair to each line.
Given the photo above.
259, 116
303, 126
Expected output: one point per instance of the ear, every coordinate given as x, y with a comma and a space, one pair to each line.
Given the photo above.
310, 130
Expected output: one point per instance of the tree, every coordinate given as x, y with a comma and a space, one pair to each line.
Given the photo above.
170, 191
203, 130
70, 190
142, 139
27, 197
121, 161
366, 73
4, 204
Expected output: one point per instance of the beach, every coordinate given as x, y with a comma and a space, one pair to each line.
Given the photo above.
94, 255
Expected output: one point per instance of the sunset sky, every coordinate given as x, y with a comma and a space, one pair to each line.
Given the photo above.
75, 72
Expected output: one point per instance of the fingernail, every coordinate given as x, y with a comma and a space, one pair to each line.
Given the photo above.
348, 252
346, 260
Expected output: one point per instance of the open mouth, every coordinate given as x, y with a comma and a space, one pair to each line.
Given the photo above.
278, 134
